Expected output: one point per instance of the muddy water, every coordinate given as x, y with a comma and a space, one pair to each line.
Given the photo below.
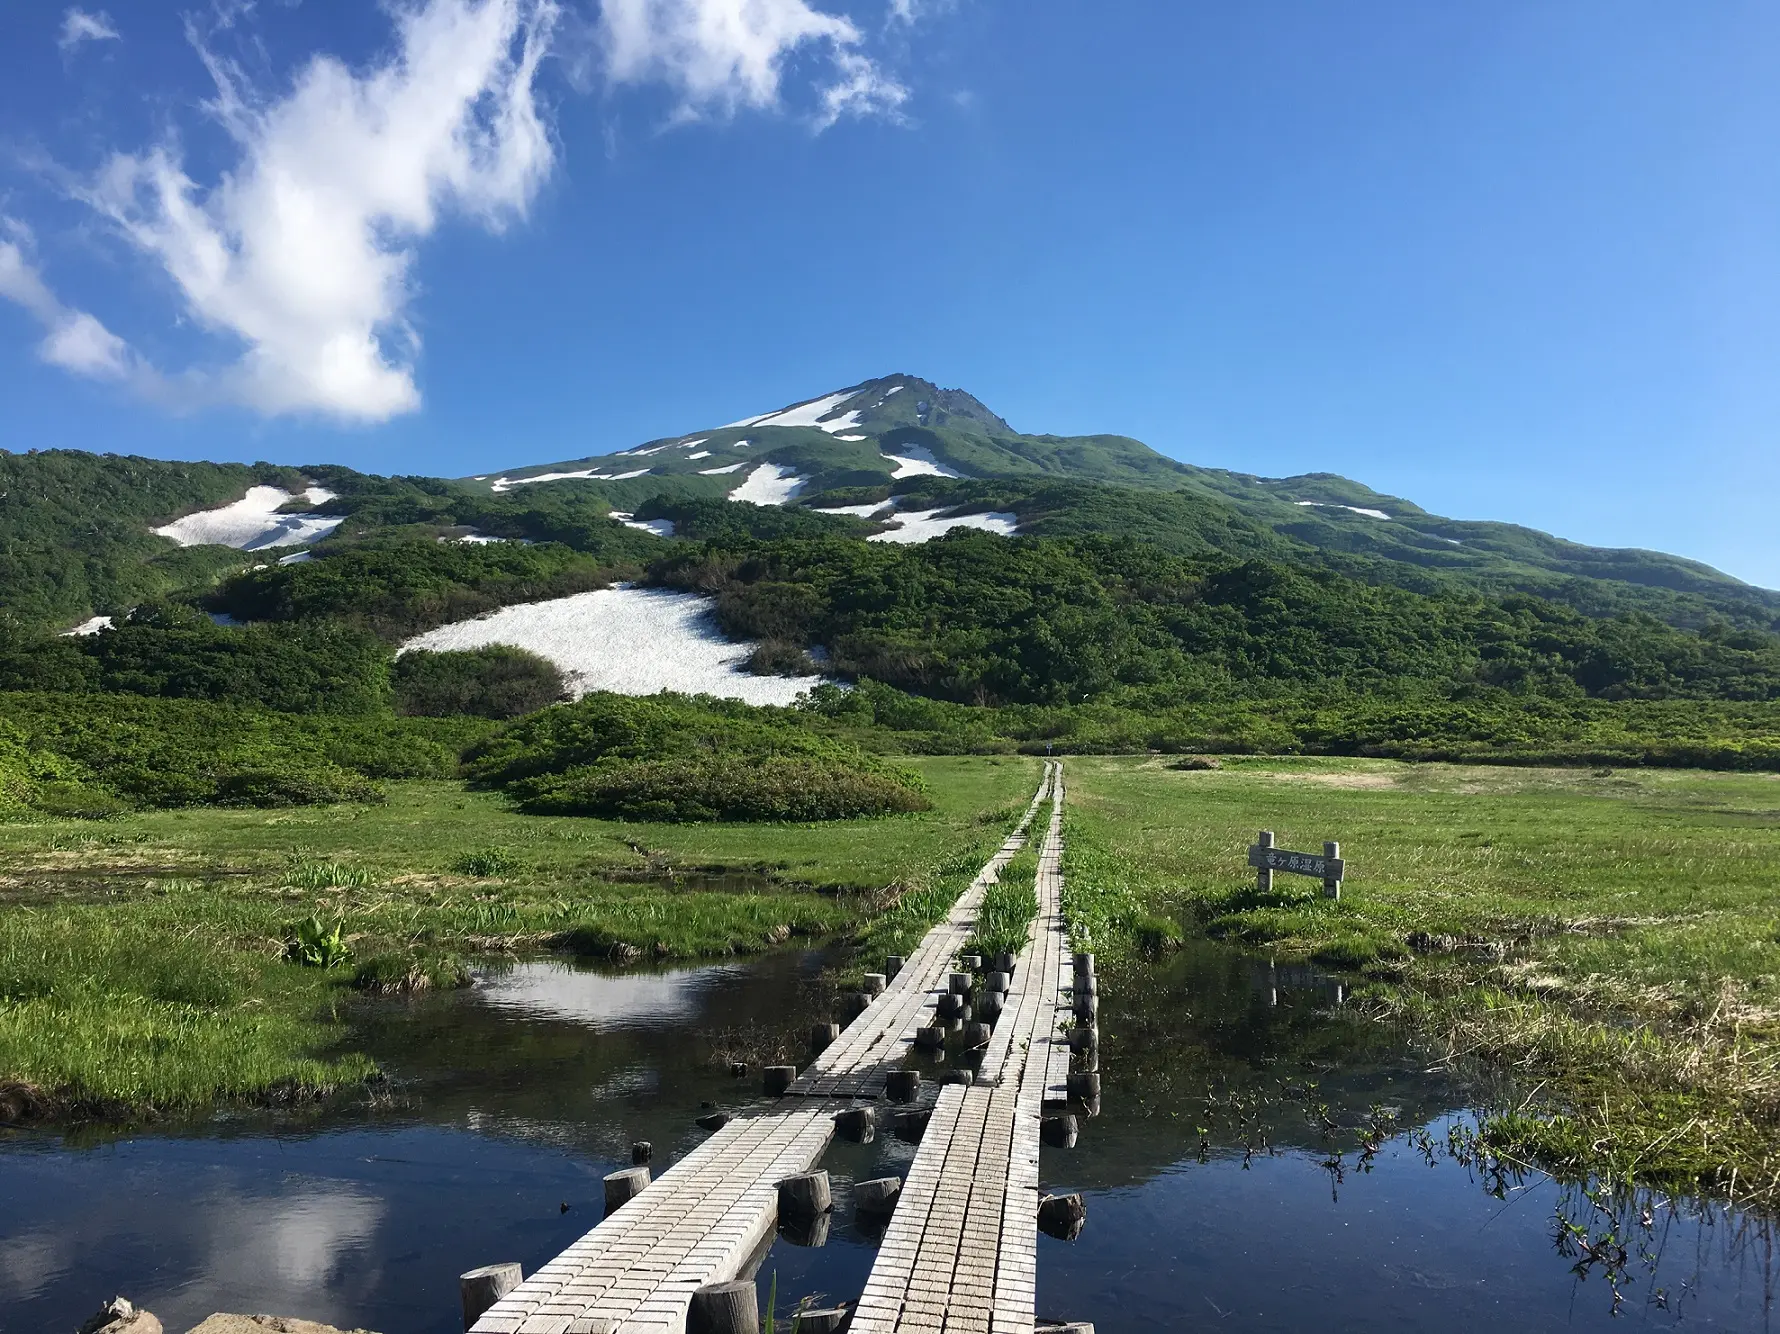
1227, 1181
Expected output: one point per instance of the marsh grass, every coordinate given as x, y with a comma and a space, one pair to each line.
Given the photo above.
123, 992
1610, 938
1009, 905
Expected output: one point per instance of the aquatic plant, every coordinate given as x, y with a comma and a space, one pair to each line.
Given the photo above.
314, 944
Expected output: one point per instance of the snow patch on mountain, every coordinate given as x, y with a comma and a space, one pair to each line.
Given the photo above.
856, 511
634, 641
769, 484
716, 472
89, 627
925, 525
810, 414
660, 527
1356, 509
916, 461
253, 523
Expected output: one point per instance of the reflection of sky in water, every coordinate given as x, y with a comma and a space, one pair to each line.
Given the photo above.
293, 1242
551, 990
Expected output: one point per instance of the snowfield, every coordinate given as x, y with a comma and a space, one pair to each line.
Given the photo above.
715, 472
925, 525
769, 484
1326, 505
253, 523
91, 627
585, 474
914, 461
808, 414
660, 527
634, 641
858, 511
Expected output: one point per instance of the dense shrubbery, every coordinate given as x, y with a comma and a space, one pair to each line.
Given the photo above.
75, 533
177, 653
794, 788
985, 620
93, 754
1491, 725
670, 757
398, 588
491, 682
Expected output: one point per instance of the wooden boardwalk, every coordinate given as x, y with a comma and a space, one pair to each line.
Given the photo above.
702, 1220
961, 1250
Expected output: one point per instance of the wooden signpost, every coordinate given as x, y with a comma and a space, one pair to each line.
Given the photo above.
1266, 859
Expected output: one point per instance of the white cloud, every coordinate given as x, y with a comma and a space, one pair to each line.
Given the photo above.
721, 56
302, 252
74, 340
79, 26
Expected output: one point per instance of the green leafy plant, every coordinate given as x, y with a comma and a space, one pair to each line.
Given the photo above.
485, 862
302, 873
314, 944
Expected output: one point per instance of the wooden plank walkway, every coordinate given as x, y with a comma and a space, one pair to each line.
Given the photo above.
961, 1250
701, 1220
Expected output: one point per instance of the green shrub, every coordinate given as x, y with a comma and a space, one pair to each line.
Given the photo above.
314, 944
775, 788
272, 788
492, 682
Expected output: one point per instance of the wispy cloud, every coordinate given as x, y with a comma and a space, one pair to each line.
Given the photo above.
723, 56
73, 339
79, 26
302, 251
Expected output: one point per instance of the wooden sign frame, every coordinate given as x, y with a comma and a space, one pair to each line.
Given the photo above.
1266, 859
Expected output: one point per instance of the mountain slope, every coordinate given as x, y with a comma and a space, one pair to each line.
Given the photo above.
896, 432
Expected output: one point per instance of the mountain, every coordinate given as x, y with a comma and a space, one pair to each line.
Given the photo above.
901, 435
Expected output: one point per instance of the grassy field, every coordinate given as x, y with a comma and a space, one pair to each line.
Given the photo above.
1612, 936
143, 959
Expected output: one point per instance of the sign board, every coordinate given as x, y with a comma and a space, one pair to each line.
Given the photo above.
1298, 863
1266, 859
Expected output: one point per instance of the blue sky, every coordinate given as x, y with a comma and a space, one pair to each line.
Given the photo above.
1514, 261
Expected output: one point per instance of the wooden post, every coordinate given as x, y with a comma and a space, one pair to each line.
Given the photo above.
809, 1230
725, 1308
778, 1078
952, 1006
910, 1126
1332, 886
962, 984
822, 1036
998, 981
874, 984
1084, 962
989, 1008
976, 1034
930, 1038
1086, 984
1084, 1039
972, 962
1059, 1131
482, 1288
1005, 963
713, 1121
903, 1085
876, 1197
893, 966
641, 1152
1084, 1086
857, 1004
1264, 874
805, 1195
857, 1125
622, 1187
828, 1320
1062, 1216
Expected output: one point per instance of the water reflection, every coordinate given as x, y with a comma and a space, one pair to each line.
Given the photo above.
1267, 1159
603, 1000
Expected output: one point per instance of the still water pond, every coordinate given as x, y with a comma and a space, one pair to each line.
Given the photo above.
1226, 1184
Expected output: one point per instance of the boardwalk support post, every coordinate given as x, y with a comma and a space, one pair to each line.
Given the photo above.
623, 1187
903, 1085
857, 1125
1059, 1132
482, 1288
641, 1152
1332, 884
779, 1078
878, 1196
873, 984
724, 1308
823, 1036
893, 966
1264, 874
805, 1195
1062, 1216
